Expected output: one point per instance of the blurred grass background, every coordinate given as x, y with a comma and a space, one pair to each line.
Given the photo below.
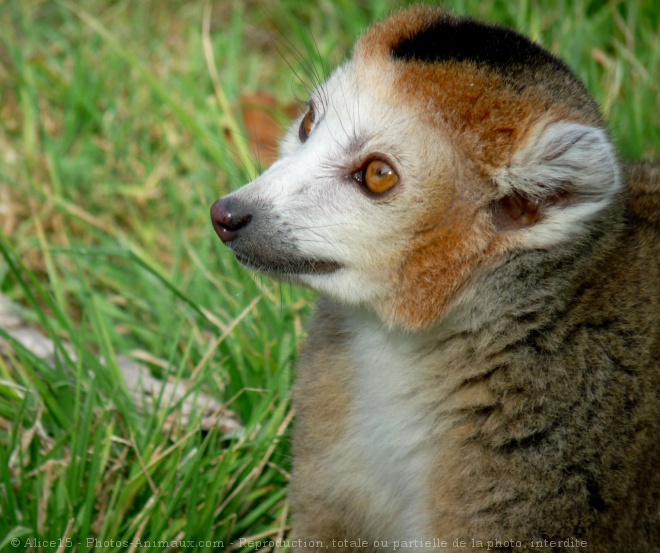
120, 123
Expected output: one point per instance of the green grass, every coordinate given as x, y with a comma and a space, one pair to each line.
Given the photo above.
114, 142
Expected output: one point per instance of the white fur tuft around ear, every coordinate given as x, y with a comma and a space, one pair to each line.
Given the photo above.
563, 160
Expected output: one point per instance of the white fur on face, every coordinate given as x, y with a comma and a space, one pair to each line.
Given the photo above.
326, 214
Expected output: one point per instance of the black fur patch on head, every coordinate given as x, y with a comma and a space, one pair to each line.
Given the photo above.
450, 38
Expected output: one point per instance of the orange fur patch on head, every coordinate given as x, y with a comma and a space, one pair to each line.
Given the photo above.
486, 97
481, 115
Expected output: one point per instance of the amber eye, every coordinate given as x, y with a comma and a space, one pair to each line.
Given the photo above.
306, 125
377, 177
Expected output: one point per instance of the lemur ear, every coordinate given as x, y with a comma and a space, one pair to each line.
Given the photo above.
563, 166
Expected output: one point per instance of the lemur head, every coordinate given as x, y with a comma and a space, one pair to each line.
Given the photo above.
440, 149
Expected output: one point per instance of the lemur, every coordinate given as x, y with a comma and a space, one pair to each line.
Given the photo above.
482, 370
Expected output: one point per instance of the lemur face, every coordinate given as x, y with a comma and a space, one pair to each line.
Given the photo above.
419, 165
338, 210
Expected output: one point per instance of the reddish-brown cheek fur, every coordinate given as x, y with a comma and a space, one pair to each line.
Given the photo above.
452, 241
446, 249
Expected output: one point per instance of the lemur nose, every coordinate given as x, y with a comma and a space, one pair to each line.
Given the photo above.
228, 218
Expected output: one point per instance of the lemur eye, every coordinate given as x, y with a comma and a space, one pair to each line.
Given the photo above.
306, 124
377, 177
